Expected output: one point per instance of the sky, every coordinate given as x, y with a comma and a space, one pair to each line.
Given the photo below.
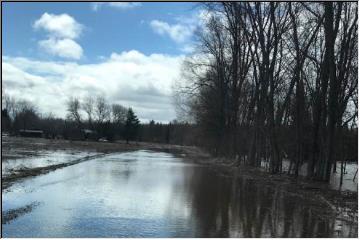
130, 53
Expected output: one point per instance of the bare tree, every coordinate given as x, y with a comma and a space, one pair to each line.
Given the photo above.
118, 113
89, 107
73, 108
102, 110
275, 80
26, 115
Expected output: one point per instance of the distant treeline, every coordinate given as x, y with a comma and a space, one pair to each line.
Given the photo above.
276, 80
92, 119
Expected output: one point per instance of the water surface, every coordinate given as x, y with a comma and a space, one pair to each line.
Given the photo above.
40, 159
151, 194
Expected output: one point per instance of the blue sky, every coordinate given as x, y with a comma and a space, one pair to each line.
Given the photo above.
107, 29
129, 52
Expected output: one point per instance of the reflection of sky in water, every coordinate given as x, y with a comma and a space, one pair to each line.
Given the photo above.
349, 183
147, 194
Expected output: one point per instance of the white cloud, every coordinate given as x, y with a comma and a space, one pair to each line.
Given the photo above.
118, 5
61, 26
62, 30
188, 48
128, 78
124, 5
13, 74
183, 30
177, 32
66, 48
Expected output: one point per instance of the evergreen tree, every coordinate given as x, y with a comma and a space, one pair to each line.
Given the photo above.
131, 126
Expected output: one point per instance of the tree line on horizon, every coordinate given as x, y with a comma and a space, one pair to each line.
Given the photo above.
275, 81
91, 119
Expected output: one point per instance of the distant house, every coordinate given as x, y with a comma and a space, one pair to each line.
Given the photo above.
31, 133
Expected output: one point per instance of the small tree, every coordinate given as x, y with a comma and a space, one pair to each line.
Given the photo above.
74, 108
119, 114
131, 126
89, 107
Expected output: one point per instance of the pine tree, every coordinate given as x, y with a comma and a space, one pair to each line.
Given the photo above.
131, 126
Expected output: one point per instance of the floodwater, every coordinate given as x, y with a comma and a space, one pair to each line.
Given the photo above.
151, 194
350, 178
41, 159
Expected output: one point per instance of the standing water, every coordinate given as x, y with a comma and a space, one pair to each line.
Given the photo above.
151, 194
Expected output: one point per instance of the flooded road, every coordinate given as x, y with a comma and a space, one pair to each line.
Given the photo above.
151, 194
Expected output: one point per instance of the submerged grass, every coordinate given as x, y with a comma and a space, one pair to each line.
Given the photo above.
12, 214
6, 181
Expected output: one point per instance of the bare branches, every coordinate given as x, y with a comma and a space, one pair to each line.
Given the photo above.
271, 67
73, 108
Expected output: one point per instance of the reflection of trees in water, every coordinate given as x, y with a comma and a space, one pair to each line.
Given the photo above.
225, 207
208, 198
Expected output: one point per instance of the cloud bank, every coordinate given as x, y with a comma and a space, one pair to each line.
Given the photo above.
128, 78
